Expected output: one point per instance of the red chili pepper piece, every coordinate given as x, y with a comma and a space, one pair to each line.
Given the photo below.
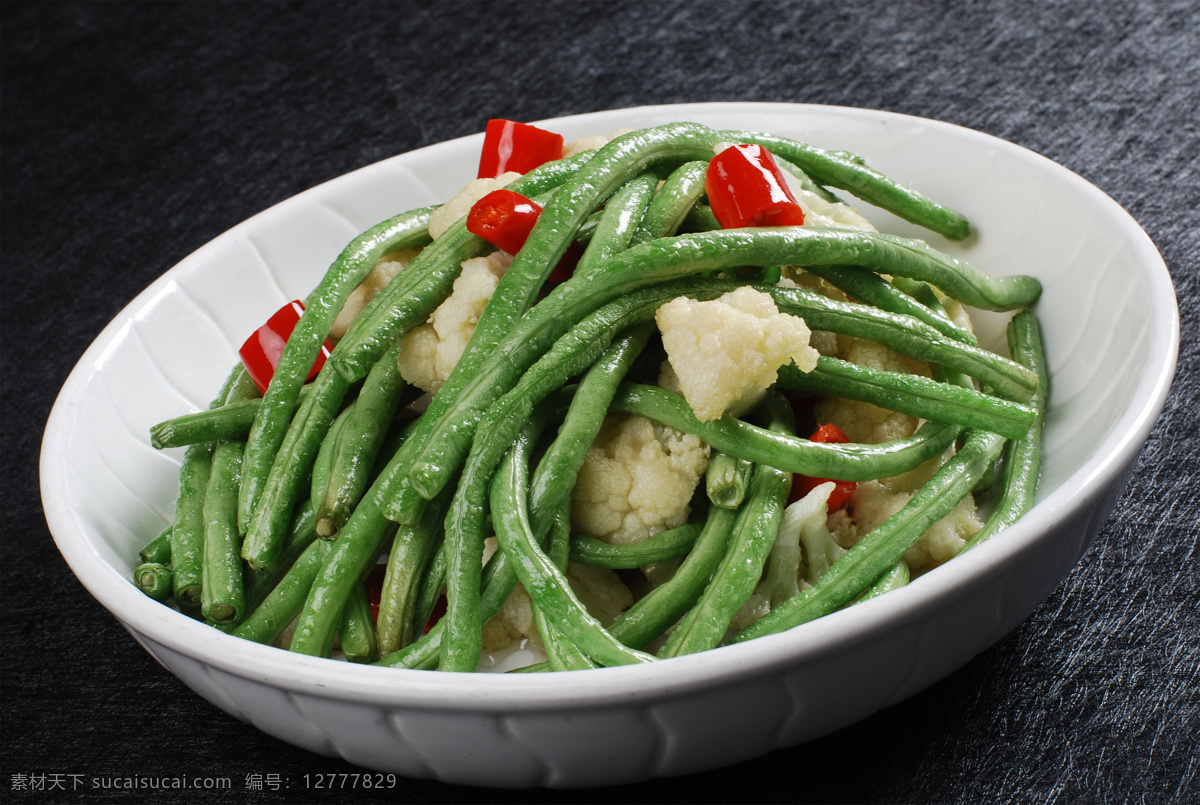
504, 219
512, 146
746, 188
374, 585
262, 349
842, 490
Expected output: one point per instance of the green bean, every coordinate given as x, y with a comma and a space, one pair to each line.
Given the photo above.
892, 579
1022, 458
563, 654
867, 286
663, 606
725, 480
358, 446
355, 632
660, 547
158, 550
705, 625
909, 394
411, 551
222, 596
847, 462
258, 583
227, 423
321, 309
187, 529
700, 218
349, 560
432, 587
618, 222
666, 258
547, 586
294, 460
885, 545
850, 174
154, 579
266, 622
679, 193
322, 467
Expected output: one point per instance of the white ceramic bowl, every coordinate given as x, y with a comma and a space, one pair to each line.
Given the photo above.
1111, 328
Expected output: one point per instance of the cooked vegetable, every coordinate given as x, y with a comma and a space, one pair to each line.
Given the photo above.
746, 188
512, 146
596, 333
261, 351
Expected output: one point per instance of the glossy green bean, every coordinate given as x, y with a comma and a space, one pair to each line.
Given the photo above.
223, 596
356, 634
758, 521
1022, 458
618, 221
412, 550
154, 579
673, 201
266, 622
660, 547
663, 606
726, 479
909, 394
892, 579
885, 545
545, 583
839, 170
358, 445
848, 462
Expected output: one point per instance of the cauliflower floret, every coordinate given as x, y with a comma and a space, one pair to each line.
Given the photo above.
601, 591
514, 622
861, 421
731, 348
591, 142
875, 501
637, 480
444, 216
388, 267
429, 352
819, 212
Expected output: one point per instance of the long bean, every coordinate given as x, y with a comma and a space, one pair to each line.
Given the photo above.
267, 621
187, 529
223, 595
838, 169
911, 394
660, 547
882, 547
1022, 458
674, 200
663, 606
412, 548
847, 462
705, 625
321, 309
546, 585
359, 443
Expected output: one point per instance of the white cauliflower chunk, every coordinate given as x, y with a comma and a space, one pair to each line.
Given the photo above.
388, 267
819, 212
637, 480
730, 349
430, 352
444, 216
861, 421
591, 142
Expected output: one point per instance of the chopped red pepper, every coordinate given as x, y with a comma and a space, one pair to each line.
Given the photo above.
842, 490
504, 219
374, 585
262, 349
512, 146
746, 188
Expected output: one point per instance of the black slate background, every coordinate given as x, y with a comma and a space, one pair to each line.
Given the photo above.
132, 134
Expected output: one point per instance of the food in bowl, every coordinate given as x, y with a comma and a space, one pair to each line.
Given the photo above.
618, 348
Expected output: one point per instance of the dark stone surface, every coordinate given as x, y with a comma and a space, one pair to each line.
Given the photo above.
132, 134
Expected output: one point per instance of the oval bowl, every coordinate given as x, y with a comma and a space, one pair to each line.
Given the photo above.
1111, 328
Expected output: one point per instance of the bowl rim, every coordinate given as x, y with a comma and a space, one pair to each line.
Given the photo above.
531, 693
